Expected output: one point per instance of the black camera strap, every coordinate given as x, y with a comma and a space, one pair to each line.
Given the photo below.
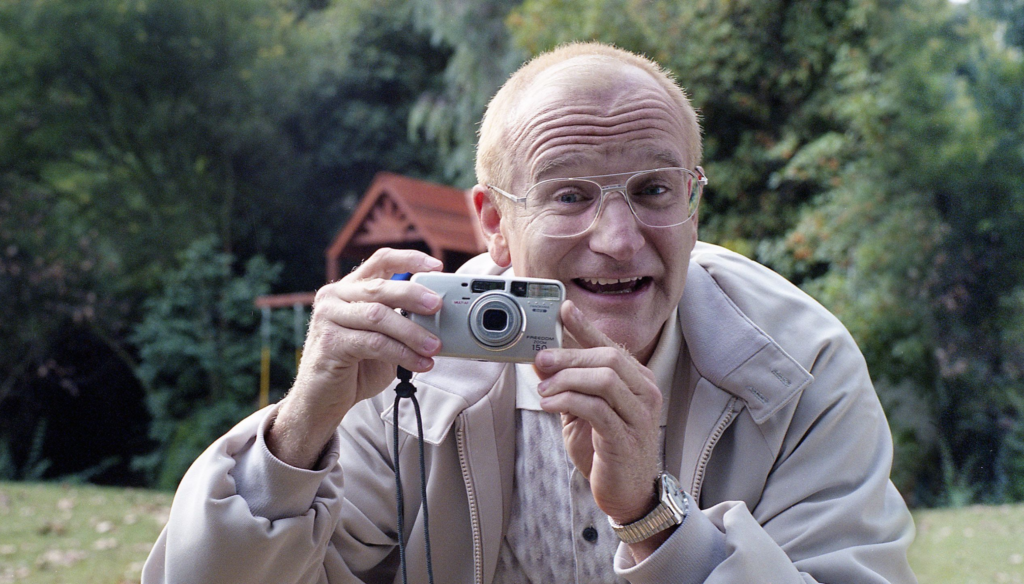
406, 389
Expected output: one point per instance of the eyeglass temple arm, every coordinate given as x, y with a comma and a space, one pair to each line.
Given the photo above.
514, 198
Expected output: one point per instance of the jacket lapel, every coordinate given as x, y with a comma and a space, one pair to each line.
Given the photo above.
735, 364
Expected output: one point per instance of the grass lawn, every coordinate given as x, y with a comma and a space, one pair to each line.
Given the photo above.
77, 534
81, 534
972, 545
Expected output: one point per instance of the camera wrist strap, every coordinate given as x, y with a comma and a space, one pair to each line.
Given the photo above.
406, 389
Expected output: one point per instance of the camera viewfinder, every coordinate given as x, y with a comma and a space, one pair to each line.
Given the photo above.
485, 285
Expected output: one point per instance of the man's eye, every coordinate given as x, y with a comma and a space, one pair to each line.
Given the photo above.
652, 190
569, 197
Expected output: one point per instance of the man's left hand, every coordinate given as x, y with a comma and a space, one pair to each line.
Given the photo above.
611, 409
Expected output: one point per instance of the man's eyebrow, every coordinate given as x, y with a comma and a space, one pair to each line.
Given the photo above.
553, 165
659, 156
662, 156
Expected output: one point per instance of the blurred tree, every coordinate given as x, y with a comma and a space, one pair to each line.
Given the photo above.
347, 118
129, 129
123, 129
482, 58
199, 353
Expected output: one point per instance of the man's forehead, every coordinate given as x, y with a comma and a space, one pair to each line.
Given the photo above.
577, 114
586, 76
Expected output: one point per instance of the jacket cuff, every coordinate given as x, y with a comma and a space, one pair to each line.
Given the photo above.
274, 489
687, 556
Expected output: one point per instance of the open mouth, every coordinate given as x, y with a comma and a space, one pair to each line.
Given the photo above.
612, 285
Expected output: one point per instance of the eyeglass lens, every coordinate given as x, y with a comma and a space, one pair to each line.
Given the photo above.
658, 198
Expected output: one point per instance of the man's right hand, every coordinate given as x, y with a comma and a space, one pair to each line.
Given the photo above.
356, 340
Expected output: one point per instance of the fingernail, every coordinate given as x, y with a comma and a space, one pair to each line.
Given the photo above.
545, 359
431, 344
576, 312
425, 363
542, 387
430, 300
432, 263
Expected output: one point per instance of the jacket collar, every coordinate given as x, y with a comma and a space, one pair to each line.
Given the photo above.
732, 352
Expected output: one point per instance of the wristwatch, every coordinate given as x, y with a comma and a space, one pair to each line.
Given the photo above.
672, 509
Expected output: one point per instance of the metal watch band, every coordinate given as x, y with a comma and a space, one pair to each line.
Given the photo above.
672, 509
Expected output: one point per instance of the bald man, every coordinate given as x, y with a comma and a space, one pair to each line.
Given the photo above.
705, 421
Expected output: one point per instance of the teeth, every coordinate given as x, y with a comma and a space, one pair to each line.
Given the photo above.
608, 281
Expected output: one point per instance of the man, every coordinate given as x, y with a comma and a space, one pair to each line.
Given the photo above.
705, 422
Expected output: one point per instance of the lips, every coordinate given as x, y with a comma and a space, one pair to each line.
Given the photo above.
612, 285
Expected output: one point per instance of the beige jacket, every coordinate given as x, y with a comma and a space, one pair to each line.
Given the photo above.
785, 446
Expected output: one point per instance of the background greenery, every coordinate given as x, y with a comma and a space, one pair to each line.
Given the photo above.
163, 162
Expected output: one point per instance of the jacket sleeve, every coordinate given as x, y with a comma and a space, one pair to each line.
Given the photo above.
828, 511
240, 515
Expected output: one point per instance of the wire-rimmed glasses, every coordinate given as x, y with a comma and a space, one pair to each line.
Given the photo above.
567, 207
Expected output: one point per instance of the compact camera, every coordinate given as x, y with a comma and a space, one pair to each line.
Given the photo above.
493, 318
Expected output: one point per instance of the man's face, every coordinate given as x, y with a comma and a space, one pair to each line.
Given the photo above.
590, 120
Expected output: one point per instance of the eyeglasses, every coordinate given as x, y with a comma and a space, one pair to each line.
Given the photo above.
567, 207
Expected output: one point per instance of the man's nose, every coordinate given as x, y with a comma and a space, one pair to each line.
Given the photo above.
616, 231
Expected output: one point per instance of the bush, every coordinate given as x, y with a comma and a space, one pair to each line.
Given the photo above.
199, 349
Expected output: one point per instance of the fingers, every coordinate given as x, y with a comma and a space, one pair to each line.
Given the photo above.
581, 329
604, 385
378, 319
600, 382
386, 262
600, 394
390, 293
354, 319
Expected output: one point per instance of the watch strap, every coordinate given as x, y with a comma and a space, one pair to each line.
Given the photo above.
661, 518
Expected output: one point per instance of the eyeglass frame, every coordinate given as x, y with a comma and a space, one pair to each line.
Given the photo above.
616, 188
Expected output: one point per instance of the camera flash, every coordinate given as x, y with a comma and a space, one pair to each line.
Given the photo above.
545, 291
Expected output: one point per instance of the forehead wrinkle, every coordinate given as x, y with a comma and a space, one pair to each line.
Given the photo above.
561, 115
583, 132
578, 155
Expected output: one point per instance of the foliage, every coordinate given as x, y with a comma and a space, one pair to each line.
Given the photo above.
129, 129
124, 130
199, 355
482, 58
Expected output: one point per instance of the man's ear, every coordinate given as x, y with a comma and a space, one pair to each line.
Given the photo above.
491, 224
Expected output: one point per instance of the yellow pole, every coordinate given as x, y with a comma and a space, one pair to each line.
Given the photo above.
265, 359
300, 328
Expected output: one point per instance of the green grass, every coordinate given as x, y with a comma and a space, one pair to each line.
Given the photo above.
82, 534
972, 545
77, 534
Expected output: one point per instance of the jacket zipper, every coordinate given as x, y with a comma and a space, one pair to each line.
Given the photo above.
474, 512
705, 455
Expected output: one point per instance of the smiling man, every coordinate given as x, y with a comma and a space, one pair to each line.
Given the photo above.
705, 421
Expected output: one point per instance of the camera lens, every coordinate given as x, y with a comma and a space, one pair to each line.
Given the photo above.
495, 320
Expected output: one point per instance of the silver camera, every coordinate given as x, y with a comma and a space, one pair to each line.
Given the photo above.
493, 318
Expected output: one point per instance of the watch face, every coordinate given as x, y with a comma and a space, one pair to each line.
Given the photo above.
671, 494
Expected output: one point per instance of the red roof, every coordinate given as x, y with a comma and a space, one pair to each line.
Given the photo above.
397, 210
